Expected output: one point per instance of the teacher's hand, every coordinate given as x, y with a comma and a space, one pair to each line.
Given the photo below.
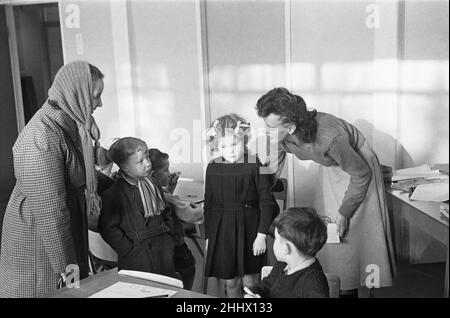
342, 225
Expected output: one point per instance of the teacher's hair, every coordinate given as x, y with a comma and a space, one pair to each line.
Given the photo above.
291, 109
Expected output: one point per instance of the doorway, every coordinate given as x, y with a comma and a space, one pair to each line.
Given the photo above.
30, 55
39, 51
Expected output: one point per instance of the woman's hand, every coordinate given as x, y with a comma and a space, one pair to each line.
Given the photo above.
342, 225
259, 245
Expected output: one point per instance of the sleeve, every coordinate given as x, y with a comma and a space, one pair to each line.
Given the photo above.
360, 174
314, 287
44, 184
266, 201
110, 221
184, 210
264, 286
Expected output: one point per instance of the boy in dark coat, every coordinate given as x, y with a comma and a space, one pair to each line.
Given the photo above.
299, 234
135, 219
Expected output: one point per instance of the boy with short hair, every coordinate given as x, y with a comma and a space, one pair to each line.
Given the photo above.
135, 219
299, 234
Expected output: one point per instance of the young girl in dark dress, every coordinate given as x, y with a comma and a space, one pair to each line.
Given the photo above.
239, 207
135, 219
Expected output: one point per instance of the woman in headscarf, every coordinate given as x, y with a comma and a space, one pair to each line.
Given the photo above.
350, 188
45, 224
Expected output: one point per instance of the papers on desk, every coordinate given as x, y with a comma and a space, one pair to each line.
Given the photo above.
333, 234
424, 171
128, 290
435, 192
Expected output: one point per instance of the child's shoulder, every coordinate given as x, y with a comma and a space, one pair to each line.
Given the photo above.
115, 190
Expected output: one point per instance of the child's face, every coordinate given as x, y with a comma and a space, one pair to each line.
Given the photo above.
230, 148
138, 165
162, 174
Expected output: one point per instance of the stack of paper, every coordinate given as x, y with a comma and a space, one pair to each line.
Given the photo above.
435, 192
424, 171
128, 290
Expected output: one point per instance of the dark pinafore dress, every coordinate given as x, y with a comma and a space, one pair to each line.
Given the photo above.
238, 205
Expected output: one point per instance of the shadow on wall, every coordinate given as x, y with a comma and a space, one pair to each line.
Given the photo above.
402, 159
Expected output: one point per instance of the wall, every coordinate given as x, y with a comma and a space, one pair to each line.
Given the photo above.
388, 77
381, 65
152, 83
424, 104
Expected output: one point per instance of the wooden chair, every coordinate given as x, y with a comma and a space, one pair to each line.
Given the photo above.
333, 281
153, 277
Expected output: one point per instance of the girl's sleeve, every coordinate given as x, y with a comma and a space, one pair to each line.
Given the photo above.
44, 184
360, 174
110, 221
266, 202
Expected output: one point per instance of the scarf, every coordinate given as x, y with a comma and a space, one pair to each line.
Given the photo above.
72, 91
151, 197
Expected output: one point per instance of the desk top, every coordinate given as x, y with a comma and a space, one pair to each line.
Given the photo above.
431, 209
98, 282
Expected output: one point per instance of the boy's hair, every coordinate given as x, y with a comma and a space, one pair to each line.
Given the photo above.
304, 228
157, 158
227, 124
123, 148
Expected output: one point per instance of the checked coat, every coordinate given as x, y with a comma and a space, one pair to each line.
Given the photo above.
45, 226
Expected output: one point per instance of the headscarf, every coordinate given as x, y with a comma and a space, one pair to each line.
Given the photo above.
72, 90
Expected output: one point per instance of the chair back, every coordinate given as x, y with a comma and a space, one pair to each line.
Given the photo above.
153, 277
332, 279
100, 249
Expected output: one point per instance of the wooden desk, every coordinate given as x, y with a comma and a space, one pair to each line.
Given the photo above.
408, 217
98, 282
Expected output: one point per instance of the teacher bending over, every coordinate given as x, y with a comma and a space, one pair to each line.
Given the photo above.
350, 188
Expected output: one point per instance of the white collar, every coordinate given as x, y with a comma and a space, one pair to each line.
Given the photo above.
298, 267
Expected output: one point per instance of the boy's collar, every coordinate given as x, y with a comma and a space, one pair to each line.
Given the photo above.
131, 180
306, 263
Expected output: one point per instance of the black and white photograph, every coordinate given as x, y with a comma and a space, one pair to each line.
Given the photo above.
220, 150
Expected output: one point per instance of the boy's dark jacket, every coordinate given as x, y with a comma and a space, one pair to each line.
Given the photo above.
123, 226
